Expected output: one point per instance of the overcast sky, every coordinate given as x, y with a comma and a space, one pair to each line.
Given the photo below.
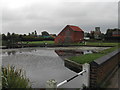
24, 16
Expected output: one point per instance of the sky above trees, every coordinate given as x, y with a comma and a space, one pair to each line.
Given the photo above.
24, 16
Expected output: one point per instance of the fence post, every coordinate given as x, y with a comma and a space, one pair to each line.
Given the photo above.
86, 75
51, 85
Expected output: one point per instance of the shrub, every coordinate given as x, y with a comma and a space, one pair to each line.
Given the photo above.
14, 78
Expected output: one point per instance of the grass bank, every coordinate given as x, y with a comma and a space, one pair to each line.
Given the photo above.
87, 58
51, 43
39, 42
85, 43
97, 44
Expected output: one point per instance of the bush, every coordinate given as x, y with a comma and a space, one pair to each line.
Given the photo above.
14, 78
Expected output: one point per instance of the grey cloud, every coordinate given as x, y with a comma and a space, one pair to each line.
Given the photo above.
54, 18
119, 14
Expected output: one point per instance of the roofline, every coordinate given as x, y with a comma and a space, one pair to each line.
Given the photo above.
71, 28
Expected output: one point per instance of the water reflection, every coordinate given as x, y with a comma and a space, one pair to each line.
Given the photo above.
11, 52
14, 52
69, 53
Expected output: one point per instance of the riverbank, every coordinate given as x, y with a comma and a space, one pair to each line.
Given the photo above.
87, 58
51, 44
101, 67
30, 46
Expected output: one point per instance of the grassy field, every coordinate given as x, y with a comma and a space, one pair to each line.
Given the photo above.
97, 44
101, 43
87, 58
39, 42
87, 43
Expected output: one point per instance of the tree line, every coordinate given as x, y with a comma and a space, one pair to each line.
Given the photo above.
13, 38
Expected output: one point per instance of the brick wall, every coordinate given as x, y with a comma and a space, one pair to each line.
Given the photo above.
101, 68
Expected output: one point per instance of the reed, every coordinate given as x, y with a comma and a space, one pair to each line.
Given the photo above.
14, 78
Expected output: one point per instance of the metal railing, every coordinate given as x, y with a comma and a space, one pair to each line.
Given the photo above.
65, 81
85, 78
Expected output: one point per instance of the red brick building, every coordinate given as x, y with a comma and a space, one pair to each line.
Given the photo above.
116, 33
70, 34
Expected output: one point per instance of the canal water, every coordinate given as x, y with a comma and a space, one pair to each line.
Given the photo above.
42, 64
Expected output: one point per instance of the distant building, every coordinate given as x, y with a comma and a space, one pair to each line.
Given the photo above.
116, 33
70, 34
97, 33
113, 34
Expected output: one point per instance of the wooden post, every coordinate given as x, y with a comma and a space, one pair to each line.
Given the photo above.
51, 85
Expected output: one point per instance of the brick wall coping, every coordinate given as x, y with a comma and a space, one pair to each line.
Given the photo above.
106, 57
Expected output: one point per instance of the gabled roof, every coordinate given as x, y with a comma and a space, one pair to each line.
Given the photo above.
75, 28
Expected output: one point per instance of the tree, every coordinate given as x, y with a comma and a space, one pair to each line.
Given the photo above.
45, 33
15, 38
29, 34
35, 33
92, 35
109, 33
8, 36
24, 35
4, 37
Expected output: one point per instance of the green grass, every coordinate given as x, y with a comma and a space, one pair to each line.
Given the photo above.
97, 44
102, 44
14, 78
87, 43
39, 42
87, 58
106, 51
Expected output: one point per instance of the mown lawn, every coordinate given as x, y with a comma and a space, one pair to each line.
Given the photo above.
102, 43
97, 44
87, 43
39, 42
87, 58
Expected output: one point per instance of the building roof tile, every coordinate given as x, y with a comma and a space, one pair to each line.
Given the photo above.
75, 28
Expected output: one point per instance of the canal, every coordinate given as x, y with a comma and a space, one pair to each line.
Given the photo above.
42, 64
